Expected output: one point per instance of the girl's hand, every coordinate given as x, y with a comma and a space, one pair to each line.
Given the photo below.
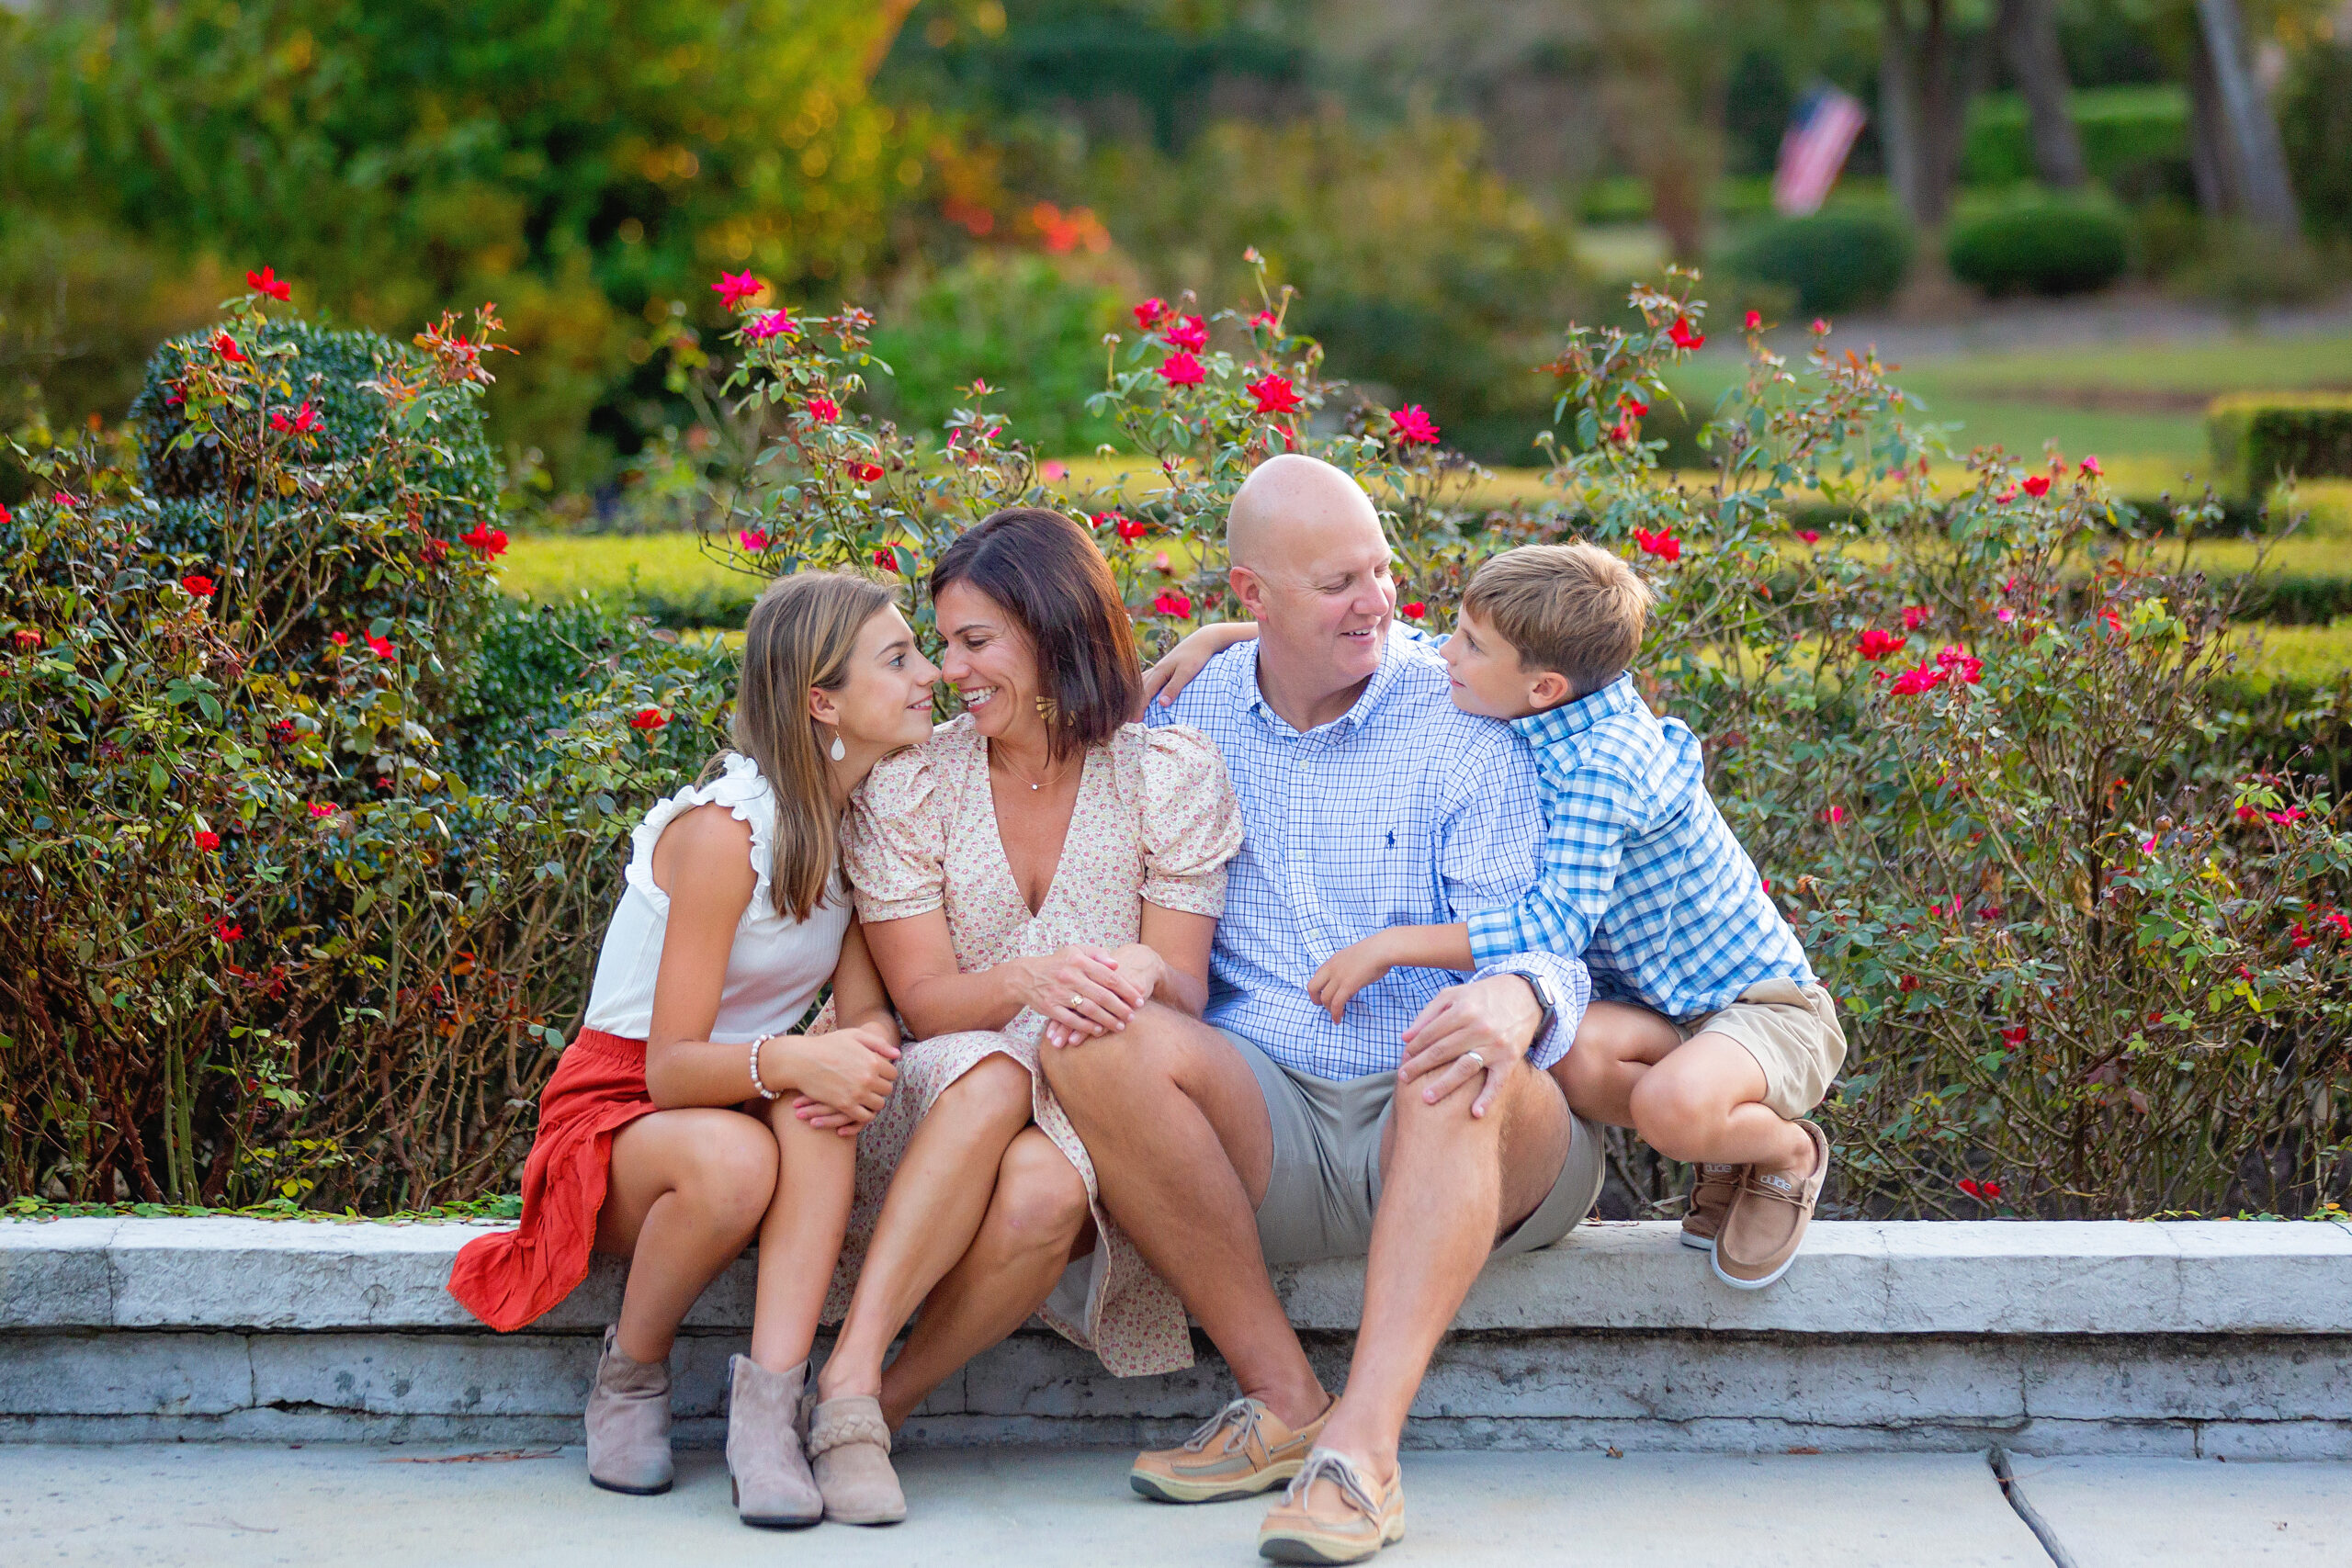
1346, 972
1186, 659
847, 1073
1079, 988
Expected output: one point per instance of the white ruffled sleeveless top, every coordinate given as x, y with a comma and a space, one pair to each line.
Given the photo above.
778, 964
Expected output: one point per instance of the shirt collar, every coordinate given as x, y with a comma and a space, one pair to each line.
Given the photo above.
1573, 718
1359, 713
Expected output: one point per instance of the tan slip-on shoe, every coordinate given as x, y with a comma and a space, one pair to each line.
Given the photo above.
773, 1486
1767, 1221
1329, 1515
628, 1423
1711, 1197
849, 1446
1241, 1451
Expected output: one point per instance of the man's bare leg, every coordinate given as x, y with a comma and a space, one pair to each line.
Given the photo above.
1182, 1152
1450, 1185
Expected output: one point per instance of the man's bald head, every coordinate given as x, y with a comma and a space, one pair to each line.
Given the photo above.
1289, 507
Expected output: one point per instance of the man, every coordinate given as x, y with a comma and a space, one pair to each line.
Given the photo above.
1271, 1133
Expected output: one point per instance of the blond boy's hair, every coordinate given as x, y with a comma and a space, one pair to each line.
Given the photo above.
1576, 610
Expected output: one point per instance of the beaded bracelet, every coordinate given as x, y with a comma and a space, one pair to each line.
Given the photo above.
765, 1092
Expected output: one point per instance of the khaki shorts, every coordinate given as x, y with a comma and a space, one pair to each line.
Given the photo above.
1792, 1032
1326, 1183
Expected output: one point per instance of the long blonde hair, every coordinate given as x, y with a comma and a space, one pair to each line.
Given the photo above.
800, 635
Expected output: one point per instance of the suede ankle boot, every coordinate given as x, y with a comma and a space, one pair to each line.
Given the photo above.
628, 1423
849, 1446
773, 1486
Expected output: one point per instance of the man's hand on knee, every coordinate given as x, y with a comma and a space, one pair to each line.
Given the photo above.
1479, 1030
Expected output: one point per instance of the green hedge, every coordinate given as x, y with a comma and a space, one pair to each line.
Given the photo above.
2122, 129
2258, 437
1836, 259
2044, 245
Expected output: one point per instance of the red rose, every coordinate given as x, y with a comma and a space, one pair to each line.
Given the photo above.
198, 585
1188, 333
267, 282
1926, 677
1174, 604
1266, 318
1130, 530
489, 541
381, 646
2037, 485
1151, 312
648, 718
1183, 370
823, 410
863, 472
226, 932
770, 324
1413, 425
1914, 617
1661, 544
2090, 467
887, 559
1682, 336
734, 288
2013, 1038
1755, 321
341, 639
753, 540
1275, 395
1414, 610
206, 839
27, 636
1810, 536
226, 347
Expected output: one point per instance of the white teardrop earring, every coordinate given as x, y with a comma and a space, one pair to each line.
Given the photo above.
839, 751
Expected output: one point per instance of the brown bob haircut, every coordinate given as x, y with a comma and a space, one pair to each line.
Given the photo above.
1047, 574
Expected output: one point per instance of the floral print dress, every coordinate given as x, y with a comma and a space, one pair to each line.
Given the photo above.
1155, 820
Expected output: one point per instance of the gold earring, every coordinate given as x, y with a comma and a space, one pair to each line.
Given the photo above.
1049, 710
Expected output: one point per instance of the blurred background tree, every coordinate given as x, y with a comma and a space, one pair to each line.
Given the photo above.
1446, 180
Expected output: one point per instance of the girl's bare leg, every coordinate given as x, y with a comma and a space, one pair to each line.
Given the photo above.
937, 1198
800, 1237
1036, 1224
686, 1191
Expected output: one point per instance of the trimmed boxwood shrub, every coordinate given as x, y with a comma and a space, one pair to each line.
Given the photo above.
2259, 437
1836, 260
2044, 245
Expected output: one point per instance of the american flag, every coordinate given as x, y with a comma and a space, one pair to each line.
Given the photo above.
1813, 149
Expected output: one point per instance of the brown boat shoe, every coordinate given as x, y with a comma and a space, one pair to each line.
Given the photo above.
1330, 1515
1768, 1219
1711, 1197
1241, 1451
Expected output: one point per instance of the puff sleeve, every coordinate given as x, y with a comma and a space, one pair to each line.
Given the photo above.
894, 843
1192, 824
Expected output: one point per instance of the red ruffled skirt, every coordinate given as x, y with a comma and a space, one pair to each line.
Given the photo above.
511, 1279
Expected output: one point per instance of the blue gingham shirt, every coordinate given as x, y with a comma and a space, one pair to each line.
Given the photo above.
1641, 872
1402, 811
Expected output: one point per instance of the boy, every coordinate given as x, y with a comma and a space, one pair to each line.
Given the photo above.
1732, 1041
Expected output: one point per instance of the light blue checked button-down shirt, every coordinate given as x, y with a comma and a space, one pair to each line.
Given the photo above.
1641, 872
1402, 811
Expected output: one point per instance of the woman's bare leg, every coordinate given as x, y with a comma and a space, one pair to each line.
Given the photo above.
686, 1191
937, 1197
1036, 1224
800, 1239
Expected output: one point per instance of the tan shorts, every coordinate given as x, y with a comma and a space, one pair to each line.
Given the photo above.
1792, 1032
1326, 1183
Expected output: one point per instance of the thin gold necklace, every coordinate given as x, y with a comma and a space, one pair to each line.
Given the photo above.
1016, 773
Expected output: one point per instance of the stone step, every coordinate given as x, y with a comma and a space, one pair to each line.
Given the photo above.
2188, 1338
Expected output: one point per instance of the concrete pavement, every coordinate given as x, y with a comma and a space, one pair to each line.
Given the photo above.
163, 1504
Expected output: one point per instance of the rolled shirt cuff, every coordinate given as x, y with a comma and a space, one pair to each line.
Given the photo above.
1573, 984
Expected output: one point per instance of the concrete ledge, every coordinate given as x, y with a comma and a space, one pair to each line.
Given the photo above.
2163, 1338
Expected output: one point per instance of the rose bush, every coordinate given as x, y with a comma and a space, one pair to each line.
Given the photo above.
291, 909
305, 833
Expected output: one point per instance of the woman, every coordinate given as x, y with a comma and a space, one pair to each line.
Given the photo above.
663, 1137
1038, 861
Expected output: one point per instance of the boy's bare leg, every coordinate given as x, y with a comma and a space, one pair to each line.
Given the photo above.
1704, 1102
1615, 1045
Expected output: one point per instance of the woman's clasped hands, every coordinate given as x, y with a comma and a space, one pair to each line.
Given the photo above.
1083, 992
